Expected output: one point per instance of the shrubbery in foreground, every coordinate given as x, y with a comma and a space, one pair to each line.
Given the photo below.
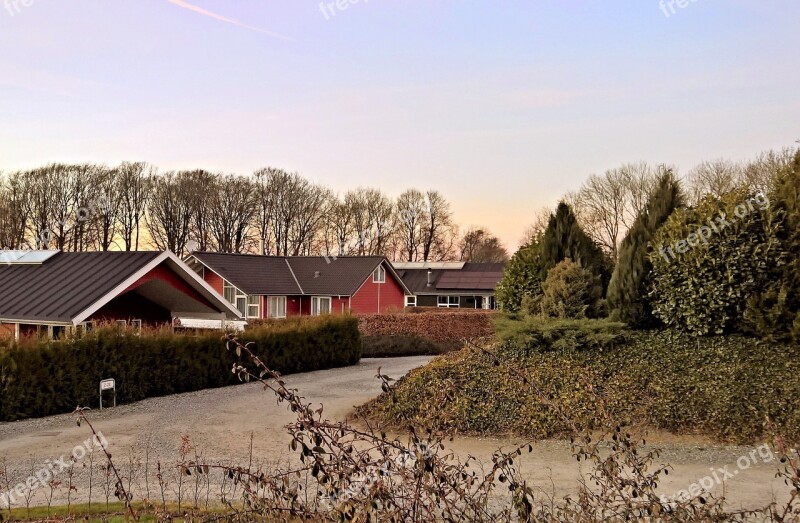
44, 378
725, 387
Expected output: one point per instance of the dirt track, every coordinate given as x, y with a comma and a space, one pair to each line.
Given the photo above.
220, 423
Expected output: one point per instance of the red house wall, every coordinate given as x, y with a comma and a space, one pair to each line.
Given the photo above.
374, 298
213, 279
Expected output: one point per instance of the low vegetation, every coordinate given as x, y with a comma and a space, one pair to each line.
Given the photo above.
423, 332
724, 387
40, 378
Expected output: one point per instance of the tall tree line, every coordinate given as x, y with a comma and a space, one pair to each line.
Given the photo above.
87, 207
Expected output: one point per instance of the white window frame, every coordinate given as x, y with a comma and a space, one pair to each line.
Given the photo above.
449, 303
122, 324
136, 326
379, 274
273, 305
254, 307
411, 301
315, 305
240, 298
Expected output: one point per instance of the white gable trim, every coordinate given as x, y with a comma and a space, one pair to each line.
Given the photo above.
181, 268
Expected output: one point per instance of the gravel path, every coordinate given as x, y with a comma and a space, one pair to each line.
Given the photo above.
222, 423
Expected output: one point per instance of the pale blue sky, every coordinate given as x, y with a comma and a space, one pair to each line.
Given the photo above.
504, 106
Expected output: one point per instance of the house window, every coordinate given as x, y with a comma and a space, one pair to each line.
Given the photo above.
229, 292
88, 326
452, 302
276, 306
320, 305
58, 332
379, 276
122, 325
254, 307
248, 306
411, 301
136, 325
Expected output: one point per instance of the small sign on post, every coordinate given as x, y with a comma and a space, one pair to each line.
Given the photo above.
111, 385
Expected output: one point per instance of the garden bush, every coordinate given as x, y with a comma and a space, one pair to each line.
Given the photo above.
433, 332
710, 260
44, 378
570, 291
726, 387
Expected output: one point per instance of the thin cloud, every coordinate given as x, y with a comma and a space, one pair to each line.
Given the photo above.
205, 12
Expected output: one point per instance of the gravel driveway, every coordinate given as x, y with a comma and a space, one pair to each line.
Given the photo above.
223, 423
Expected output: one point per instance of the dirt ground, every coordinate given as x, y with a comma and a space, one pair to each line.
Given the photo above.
220, 423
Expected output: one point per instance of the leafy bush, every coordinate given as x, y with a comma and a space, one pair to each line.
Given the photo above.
710, 260
570, 291
44, 378
725, 387
423, 333
774, 312
521, 278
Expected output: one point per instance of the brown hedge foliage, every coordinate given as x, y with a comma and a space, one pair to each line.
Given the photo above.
445, 330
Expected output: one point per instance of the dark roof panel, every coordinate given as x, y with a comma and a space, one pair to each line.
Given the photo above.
342, 276
478, 277
66, 284
293, 275
252, 274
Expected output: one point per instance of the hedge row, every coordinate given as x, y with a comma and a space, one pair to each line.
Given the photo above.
435, 332
726, 387
48, 378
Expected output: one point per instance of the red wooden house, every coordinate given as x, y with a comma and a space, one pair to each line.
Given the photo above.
262, 287
51, 293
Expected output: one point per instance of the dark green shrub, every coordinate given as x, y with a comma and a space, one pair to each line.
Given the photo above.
521, 278
40, 379
385, 346
726, 387
708, 261
565, 240
630, 282
774, 312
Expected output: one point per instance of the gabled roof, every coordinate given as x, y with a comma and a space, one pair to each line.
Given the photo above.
471, 277
251, 274
68, 287
295, 275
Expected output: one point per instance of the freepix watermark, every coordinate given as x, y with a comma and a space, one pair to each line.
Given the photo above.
15, 7
50, 470
670, 7
715, 226
718, 476
331, 9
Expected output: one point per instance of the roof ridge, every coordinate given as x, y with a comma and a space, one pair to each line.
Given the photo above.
291, 270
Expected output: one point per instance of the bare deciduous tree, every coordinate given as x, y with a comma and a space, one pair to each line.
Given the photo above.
169, 214
714, 178
479, 246
232, 213
134, 180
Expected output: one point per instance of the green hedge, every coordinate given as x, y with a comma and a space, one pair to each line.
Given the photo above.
41, 379
725, 387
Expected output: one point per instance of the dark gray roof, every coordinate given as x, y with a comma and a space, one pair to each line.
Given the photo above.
253, 275
293, 275
65, 285
476, 277
341, 276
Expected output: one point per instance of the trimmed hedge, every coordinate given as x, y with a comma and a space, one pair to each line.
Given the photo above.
423, 333
725, 387
41, 379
